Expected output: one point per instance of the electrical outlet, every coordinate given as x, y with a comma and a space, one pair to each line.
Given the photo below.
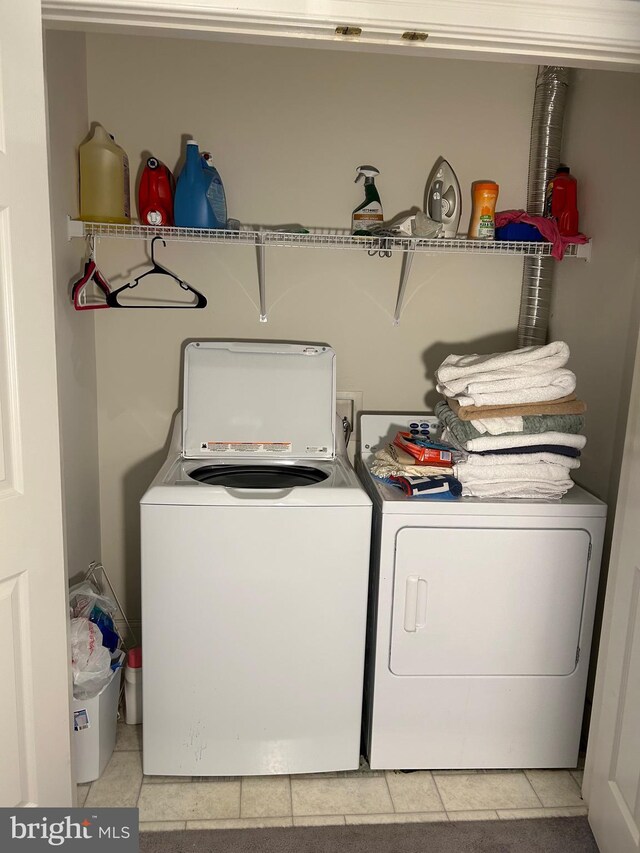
348, 405
344, 409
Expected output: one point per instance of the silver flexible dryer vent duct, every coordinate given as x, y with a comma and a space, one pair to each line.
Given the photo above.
544, 156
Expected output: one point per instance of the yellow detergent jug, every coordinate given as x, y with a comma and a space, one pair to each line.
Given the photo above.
104, 179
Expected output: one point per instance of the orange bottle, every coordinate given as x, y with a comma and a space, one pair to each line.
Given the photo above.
484, 195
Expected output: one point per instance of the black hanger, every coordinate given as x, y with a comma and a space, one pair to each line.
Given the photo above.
156, 269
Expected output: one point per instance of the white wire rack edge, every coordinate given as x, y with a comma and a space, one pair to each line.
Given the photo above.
318, 239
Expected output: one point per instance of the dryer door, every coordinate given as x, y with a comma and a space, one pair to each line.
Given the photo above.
487, 601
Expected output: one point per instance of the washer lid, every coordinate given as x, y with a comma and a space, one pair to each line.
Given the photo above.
258, 400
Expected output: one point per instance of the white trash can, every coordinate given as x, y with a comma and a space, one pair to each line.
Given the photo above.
94, 729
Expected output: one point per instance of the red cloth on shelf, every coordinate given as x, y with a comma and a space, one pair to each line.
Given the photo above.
547, 227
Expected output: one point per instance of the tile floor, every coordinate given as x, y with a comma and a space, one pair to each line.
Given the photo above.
362, 796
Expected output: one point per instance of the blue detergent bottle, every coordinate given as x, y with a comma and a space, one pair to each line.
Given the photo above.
191, 206
215, 193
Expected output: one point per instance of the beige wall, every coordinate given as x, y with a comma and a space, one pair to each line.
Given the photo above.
287, 128
75, 336
594, 306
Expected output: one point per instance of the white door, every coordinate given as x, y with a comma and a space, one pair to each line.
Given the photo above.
612, 777
35, 765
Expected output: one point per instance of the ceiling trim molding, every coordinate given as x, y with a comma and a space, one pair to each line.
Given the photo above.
580, 33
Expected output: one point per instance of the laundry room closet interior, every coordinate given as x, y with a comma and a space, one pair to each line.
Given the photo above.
287, 127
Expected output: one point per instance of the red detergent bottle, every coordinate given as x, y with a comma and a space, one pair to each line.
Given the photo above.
155, 194
561, 201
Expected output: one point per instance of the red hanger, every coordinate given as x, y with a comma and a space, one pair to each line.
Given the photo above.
91, 274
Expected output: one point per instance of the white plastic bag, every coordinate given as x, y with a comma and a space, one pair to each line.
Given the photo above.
90, 660
83, 597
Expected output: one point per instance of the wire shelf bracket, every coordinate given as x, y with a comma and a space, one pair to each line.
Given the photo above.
261, 279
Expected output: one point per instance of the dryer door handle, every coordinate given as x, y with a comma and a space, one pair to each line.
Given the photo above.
415, 603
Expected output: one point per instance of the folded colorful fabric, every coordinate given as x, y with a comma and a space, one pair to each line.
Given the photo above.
429, 487
546, 226
391, 460
391, 453
386, 469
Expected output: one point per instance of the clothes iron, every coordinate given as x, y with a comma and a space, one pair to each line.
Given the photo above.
443, 202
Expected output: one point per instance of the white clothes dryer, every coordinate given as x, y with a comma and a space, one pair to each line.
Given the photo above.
480, 622
255, 559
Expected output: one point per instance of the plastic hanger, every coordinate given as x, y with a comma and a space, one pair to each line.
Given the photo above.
156, 269
91, 274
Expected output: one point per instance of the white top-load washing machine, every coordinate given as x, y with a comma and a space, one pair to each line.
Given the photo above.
480, 623
255, 560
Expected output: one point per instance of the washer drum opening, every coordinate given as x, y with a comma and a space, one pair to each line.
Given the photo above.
258, 476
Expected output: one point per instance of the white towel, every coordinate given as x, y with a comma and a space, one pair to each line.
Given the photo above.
504, 365
509, 392
495, 477
508, 459
527, 375
539, 472
523, 491
498, 426
521, 439
487, 383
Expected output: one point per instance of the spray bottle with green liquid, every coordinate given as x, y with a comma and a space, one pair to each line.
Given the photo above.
369, 212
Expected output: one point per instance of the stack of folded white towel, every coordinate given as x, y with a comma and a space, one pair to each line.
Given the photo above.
517, 419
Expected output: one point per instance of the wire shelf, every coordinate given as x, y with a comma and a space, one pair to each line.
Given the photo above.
318, 238
322, 238
148, 232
